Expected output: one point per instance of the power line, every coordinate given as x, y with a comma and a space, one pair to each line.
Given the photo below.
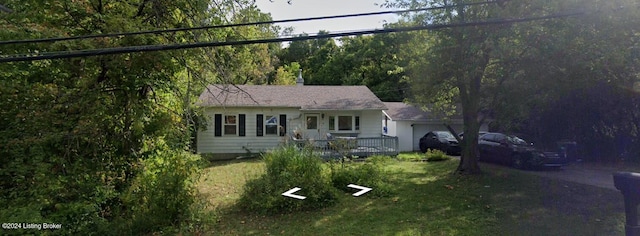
237, 25
150, 48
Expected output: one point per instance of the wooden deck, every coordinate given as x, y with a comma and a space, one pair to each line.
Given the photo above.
346, 146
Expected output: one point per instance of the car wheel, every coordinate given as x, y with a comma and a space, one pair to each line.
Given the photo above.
445, 148
518, 162
423, 148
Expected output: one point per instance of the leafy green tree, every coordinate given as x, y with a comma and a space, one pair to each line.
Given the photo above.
455, 64
312, 55
98, 143
374, 61
488, 68
287, 74
589, 61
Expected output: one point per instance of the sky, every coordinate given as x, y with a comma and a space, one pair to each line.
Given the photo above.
280, 10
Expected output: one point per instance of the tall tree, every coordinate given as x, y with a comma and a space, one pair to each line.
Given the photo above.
481, 66
312, 56
91, 141
457, 62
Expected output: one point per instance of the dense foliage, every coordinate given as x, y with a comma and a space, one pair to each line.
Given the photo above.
564, 77
104, 142
371, 60
370, 174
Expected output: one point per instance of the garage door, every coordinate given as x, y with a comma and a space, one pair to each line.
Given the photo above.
420, 130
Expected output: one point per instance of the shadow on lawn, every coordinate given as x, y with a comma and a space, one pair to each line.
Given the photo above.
429, 200
530, 205
206, 163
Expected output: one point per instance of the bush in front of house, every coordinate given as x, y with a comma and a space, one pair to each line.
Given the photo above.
368, 174
163, 197
436, 155
287, 168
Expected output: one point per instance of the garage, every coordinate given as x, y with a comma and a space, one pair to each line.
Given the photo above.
410, 123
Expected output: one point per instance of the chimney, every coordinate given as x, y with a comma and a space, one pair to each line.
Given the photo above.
299, 80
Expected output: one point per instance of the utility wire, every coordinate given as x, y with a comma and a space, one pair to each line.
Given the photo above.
150, 48
238, 25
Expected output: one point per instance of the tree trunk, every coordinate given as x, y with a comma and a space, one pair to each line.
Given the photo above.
469, 158
469, 83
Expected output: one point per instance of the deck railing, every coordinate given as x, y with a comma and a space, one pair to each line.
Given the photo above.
349, 146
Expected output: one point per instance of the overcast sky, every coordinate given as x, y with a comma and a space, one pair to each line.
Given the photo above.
280, 10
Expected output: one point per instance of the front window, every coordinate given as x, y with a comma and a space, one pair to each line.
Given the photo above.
271, 125
312, 122
345, 123
230, 125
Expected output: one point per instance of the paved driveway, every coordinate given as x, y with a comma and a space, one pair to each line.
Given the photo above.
584, 173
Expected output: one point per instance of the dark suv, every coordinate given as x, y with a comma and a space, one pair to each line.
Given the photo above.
514, 151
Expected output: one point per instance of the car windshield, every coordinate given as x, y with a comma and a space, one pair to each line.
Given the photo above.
516, 140
444, 135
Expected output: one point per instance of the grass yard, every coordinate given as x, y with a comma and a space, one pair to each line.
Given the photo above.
428, 201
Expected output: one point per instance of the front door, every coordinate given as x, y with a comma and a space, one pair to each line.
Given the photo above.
312, 126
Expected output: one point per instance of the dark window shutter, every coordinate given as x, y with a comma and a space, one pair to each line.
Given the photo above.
259, 124
283, 124
241, 124
217, 125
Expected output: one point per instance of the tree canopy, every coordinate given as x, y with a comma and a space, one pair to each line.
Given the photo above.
102, 143
512, 71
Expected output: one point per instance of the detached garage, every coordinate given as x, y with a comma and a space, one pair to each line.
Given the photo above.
410, 123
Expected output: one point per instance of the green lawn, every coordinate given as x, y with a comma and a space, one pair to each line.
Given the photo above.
428, 201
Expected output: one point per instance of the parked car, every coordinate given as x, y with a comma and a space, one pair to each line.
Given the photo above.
516, 152
441, 140
480, 133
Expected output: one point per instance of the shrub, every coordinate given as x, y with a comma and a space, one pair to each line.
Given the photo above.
436, 155
369, 174
163, 195
287, 168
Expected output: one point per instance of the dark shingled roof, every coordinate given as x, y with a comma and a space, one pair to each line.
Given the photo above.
307, 97
403, 111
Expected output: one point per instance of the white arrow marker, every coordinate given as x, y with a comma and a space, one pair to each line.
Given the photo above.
290, 193
363, 190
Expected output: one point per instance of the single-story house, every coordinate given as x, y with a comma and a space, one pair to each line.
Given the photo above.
409, 123
257, 118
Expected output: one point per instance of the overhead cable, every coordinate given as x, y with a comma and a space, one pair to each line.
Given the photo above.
150, 48
236, 25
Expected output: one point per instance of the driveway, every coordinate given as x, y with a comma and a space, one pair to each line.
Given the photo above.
598, 175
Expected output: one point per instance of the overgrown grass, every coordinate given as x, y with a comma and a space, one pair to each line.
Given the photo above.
429, 200
411, 156
287, 168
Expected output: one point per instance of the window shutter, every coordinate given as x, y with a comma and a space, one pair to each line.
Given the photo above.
283, 124
217, 125
241, 124
259, 124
